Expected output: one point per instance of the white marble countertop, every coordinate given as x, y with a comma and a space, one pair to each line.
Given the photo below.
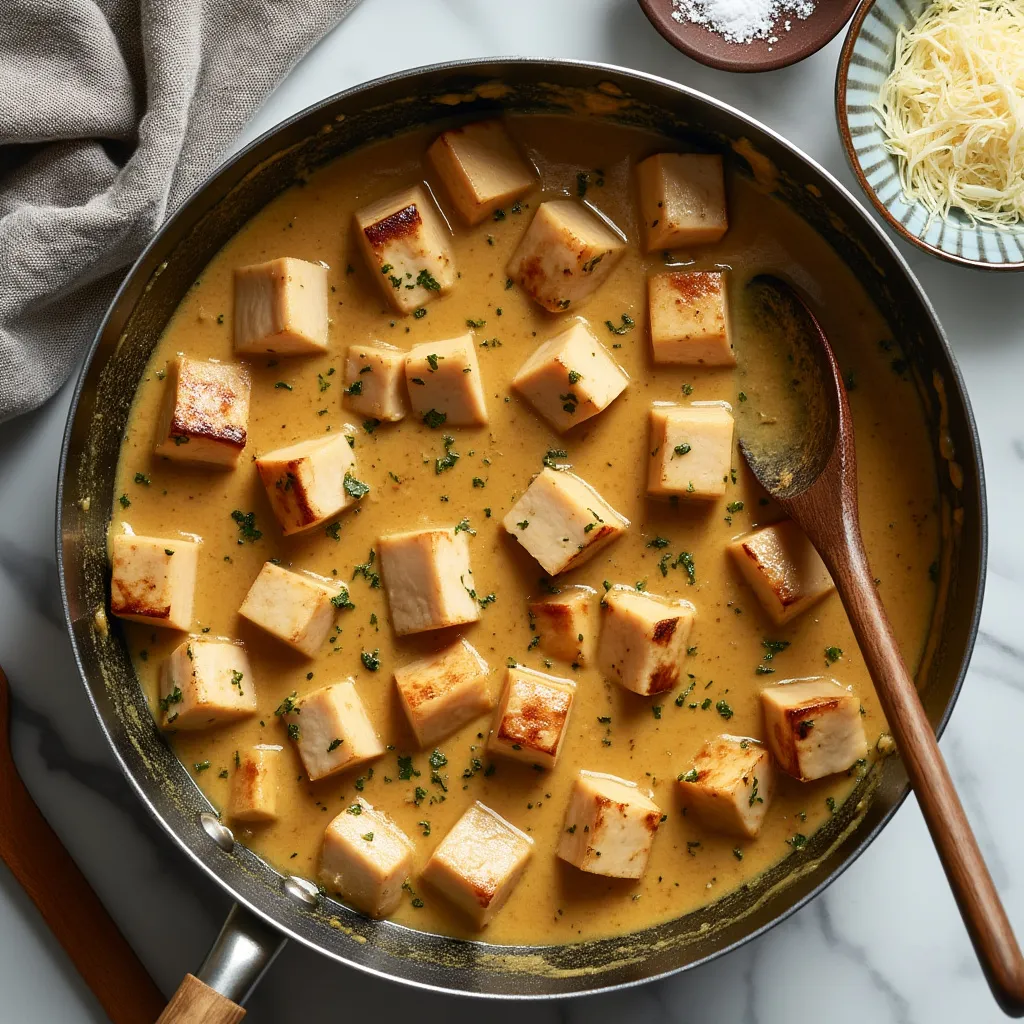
884, 943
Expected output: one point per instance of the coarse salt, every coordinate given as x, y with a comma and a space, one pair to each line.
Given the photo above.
742, 21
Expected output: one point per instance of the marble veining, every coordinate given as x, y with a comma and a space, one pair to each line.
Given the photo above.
884, 943
34, 576
102, 778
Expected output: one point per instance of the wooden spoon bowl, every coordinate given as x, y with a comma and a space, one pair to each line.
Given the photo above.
813, 477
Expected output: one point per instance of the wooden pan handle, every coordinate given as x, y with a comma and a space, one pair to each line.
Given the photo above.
196, 1003
69, 905
975, 893
240, 955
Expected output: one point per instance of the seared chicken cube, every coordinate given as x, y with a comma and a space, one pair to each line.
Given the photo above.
785, 572
428, 579
477, 865
730, 785
408, 248
562, 521
254, 785
206, 682
643, 639
690, 450
153, 579
565, 255
570, 378
444, 382
375, 381
682, 200
566, 624
366, 858
609, 826
689, 319
281, 307
331, 729
296, 607
814, 727
205, 412
532, 717
481, 169
443, 691
311, 481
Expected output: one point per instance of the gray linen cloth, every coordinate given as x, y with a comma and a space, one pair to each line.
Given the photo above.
111, 112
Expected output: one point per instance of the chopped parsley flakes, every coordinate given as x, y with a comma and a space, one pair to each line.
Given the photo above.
450, 457
246, 526
355, 488
427, 281
626, 326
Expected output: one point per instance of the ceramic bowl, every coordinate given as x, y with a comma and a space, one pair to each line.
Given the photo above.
866, 61
803, 37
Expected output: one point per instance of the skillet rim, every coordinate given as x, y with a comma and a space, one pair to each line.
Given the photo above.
494, 66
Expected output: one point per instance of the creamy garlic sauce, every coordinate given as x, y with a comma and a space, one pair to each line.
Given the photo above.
647, 740
785, 423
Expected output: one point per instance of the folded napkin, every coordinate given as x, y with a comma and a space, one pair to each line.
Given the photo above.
111, 112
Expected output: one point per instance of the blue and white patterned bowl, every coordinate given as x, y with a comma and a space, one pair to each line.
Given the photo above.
865, 63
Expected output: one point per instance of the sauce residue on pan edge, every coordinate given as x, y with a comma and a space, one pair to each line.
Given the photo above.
689, 867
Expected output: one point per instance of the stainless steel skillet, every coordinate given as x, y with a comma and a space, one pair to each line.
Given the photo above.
270, 907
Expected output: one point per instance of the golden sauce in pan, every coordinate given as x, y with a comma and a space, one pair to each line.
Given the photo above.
649, 740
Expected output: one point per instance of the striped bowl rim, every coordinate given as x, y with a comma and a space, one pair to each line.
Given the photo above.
865, 62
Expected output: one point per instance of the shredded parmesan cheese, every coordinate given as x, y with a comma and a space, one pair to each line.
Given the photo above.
953, 110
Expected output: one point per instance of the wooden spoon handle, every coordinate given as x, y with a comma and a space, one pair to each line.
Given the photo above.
197, 1003
972, 886
39, 861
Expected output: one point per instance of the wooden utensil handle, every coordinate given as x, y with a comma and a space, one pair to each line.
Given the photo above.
196, 1003
972, 886
70, 906
240, 955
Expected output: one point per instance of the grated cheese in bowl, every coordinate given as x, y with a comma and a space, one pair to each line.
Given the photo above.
952, 110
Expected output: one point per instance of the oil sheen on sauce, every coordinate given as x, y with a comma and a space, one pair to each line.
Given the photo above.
648, 740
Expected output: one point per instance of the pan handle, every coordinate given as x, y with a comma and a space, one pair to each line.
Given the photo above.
242, 952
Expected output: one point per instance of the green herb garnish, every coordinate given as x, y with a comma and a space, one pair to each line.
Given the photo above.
246, 526
355, 488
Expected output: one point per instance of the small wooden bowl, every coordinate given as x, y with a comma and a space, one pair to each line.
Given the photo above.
804, 37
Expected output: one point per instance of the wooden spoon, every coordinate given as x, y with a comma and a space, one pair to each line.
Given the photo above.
812, 474
39, 861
